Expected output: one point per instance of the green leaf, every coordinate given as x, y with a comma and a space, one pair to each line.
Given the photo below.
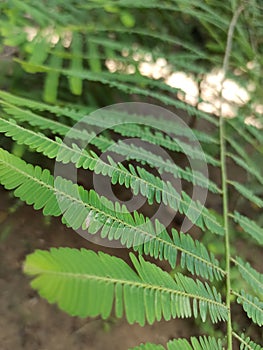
249, 227
246, 343
75, 83
252, 306
52, 78
250, 167
111, 118
126, 87
247, 193
130, 151
150, 186
37, 187
201, 343
94, 58
80, 288
250, 275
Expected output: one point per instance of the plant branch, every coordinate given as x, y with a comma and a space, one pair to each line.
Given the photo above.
242, 341
224, 172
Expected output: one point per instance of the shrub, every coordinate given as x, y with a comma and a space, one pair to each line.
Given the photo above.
78, 57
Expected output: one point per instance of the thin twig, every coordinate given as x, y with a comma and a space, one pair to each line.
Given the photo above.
224, 172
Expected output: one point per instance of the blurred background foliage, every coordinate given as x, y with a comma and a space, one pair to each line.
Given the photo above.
94, 46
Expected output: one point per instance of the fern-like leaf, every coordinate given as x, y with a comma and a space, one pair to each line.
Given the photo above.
103, 144
157, 138
139, 180
246, 343
91, 285
247, 193
115, 222
131, 130
249, 226
251, 305
250, 167
42, 123
250, 275
131, 151
109, 119
113, 81
201, 343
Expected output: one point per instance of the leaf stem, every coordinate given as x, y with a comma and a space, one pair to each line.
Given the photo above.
224, 173
242, 341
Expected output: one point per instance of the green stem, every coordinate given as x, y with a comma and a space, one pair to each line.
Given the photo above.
226, 225
224, 174
242, 342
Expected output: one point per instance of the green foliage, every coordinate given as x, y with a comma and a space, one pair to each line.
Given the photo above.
250, 275
249, 226
103, 279
201, 343
252, 306
72, 58
246, 343
37, 187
